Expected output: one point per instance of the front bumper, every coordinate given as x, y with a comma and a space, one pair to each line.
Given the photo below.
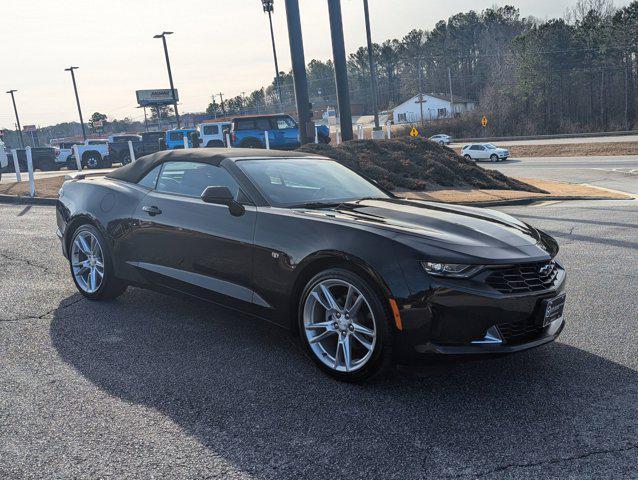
454, 317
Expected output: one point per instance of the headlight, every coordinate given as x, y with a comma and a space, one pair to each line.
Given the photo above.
450, 269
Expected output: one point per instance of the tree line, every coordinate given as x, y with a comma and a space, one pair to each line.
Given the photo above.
573, 74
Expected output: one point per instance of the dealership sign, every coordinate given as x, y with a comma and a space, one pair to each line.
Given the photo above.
29, 128
155, 97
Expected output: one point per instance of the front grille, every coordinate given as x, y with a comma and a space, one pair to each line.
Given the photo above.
518, 331
525, 278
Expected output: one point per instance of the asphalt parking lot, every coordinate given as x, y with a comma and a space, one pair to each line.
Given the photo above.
150, 386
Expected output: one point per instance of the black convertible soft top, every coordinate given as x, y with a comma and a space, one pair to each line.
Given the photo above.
135, 171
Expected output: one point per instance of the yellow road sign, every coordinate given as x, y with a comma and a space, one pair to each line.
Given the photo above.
414, 132
484, 121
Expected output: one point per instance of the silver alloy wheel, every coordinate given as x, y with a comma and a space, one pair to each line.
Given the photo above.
339, 325
92, 161
87, 262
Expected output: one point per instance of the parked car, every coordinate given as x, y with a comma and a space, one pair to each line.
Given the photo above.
441, 139
151, 142
43, 159
119, 151
175, 138
484, 151
62, 152
283, 132
213, 134
4, 159
94, 153
363, 277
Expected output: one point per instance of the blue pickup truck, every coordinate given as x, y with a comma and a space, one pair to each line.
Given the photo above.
283, 132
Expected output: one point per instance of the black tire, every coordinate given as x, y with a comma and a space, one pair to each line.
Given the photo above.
215, 144
494, 157
380, 362
92, 160
111, 286
324, 139
251, 143
467, 157
126, 159
71, 163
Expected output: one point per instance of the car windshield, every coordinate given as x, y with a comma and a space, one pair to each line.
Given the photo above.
290, 182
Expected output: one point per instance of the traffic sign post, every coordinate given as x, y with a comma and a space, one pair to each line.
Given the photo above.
414, 132
484, 124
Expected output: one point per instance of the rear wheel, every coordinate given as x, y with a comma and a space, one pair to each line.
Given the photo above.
92, 160
126, 159
344, 327
92, 266
215, 144
467, 157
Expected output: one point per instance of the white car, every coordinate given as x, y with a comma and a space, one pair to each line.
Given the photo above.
212, 134
94, 153
484, 151
441, 139
4, 161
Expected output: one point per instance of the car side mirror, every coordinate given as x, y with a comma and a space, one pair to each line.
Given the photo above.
220, 195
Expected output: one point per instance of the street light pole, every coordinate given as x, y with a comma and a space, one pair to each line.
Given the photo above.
170, 74
373, 73
15, 109
269, 8
77, 99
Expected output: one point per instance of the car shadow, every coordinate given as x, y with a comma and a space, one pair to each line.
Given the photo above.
245, 390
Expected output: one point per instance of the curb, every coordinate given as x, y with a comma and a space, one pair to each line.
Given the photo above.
19, 200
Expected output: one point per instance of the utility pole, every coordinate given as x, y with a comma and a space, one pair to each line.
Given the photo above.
15, 109
373, 73
221, 99
449, 77
170, 74
300, 80
77, 99
421, 91
269, 8
341, 71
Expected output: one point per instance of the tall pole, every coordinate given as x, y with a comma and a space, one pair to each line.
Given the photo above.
373, 73
221, 101
299, 70
341, 71
77, 99
170, 74
269, 8
449, 77
15, 109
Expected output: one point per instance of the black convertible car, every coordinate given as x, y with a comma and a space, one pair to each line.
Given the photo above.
364, 278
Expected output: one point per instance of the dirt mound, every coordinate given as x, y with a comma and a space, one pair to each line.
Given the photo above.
415, 164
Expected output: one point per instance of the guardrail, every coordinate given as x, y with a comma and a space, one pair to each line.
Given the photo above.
547, 137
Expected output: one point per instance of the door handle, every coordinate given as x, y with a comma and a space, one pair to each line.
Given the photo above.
152, 210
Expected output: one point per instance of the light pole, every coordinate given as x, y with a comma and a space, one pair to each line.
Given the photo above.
77, 99
269, 7
15, 109
373, 73
170, 73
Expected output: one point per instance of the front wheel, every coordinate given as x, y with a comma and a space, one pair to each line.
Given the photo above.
126, 159
343, 326
92, 266
494, 157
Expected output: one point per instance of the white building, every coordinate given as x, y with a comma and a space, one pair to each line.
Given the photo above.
435, 105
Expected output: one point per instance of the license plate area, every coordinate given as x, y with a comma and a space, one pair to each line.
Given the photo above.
552, 309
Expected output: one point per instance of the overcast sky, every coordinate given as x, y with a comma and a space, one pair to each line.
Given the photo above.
218, 46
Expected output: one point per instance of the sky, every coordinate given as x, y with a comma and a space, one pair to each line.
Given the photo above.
218, 46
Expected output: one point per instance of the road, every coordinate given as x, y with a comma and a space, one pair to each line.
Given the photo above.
561, 141
616, 173
150, 386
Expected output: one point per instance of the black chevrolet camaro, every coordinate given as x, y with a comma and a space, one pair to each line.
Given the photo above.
364, 278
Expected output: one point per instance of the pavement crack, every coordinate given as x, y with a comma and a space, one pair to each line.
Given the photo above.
25, 261
552, 461
43, 315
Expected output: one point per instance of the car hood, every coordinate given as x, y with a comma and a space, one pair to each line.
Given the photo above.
448, 230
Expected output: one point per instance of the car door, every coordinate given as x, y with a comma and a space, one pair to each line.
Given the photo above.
188, 245
290, 131
477, 152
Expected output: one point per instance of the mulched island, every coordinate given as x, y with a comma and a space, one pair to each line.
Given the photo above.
408, 163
